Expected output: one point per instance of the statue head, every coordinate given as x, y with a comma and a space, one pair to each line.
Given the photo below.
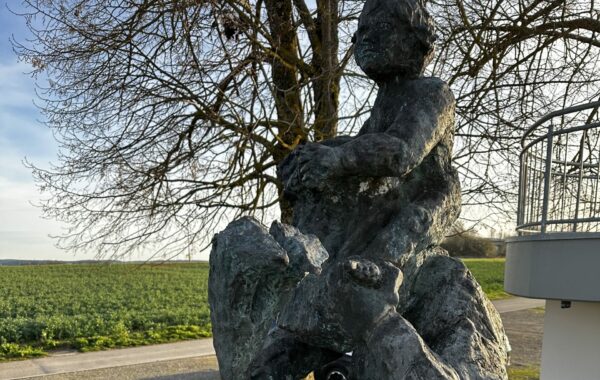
394, 39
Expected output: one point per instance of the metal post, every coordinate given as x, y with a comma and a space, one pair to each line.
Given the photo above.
547, 173
521, 197
580, 180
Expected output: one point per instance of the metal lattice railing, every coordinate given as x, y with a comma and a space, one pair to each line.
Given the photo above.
560, 173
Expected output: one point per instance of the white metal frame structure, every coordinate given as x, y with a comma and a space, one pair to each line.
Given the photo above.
557, 253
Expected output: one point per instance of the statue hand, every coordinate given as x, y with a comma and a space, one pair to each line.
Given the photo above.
316, 164
419, 219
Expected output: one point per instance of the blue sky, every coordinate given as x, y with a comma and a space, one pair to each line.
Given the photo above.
23, 233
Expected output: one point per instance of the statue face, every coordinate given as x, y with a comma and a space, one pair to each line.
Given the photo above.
386, 46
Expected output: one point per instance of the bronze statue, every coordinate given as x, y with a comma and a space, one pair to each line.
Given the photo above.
379, 203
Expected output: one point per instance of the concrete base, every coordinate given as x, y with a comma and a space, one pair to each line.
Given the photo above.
571, 346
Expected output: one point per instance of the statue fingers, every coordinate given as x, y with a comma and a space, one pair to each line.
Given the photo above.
364, 272
307, 167
308, 179
305, 158
312, 180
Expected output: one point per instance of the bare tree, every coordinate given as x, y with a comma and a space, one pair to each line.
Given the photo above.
172, 114
510, 62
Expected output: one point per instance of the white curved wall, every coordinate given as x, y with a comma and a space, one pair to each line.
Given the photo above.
554, 266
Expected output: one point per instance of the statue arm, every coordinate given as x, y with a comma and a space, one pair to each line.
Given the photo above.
418, 128
337, 141
416, 131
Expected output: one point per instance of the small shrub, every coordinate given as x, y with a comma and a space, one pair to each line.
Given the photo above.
469, 245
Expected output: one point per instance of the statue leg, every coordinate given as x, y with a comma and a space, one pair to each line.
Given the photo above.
455, 318
451, 315
448, 330
419, 223
396, 351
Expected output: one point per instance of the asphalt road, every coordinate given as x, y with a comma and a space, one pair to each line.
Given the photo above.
202, 368
75, 362
516, 303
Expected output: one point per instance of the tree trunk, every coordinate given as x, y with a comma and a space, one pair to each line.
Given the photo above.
326, 65
285, 74
286, 86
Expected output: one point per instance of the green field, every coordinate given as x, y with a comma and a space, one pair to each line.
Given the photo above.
523, 373
490, 275
92, 307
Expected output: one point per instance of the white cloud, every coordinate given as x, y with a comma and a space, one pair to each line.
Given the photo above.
23, 233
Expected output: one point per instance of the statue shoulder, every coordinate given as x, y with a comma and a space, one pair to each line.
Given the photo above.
435, 88
431, 93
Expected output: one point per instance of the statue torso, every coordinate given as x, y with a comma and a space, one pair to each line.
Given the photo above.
353, 208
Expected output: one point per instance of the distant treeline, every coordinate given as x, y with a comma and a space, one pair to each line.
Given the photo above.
469, 244
13, 262
42, 262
